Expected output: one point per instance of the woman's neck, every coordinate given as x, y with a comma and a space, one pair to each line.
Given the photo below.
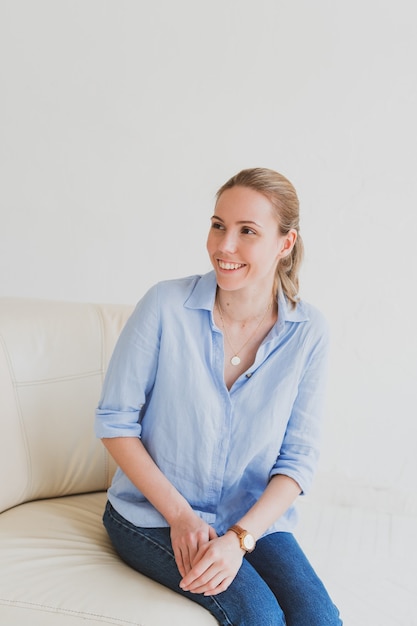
243, 307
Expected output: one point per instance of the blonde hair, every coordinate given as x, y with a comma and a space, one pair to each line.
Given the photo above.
283, 197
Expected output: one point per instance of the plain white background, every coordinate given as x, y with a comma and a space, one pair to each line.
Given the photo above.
120, 119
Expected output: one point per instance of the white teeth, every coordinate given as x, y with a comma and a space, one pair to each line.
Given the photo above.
229, 266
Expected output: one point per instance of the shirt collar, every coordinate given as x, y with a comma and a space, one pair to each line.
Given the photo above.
289, 314
204, 293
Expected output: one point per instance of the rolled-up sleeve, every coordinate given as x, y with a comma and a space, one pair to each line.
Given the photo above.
131, 372
299, 451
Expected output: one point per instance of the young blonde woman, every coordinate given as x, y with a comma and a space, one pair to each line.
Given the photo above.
211, 408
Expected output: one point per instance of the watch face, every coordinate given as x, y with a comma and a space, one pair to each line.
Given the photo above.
249, 542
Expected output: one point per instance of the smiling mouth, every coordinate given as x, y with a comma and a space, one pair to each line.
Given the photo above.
229, 266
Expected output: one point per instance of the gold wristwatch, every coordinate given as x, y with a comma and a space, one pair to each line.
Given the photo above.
247, 541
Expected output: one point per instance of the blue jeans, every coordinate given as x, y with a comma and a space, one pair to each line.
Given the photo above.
275, 586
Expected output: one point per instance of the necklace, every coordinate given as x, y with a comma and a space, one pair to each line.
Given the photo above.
235, 360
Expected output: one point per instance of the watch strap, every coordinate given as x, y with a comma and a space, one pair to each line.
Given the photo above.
242, 533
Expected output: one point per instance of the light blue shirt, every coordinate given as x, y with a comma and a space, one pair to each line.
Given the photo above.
219, 448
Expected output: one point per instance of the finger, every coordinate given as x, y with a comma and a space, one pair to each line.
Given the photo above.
225, 584
186, 547
214, 586
184, 554
200, 564
212, 533
180, 563
196, 583
182, 558
186, 563
198, 556
194, 574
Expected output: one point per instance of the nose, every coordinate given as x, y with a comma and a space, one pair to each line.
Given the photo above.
228, 243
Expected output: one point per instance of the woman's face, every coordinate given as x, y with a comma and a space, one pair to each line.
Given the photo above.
244, 243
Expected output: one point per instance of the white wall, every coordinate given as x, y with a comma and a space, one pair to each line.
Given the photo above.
119, 120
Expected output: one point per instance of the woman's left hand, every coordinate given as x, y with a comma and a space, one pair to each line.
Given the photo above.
215, 566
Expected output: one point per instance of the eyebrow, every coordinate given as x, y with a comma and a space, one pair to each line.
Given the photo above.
216, 217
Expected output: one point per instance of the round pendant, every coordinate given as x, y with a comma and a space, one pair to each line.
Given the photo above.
235, 360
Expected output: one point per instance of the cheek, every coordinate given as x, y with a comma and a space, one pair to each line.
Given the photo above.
210, 242
213, 239
271, 256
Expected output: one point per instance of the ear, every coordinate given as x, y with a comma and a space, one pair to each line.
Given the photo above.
287, 243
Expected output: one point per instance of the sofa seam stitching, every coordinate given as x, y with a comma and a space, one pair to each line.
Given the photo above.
51, 609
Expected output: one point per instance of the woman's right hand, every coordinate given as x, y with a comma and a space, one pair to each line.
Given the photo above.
188, 534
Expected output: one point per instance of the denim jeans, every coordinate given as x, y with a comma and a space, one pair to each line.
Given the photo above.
275, 586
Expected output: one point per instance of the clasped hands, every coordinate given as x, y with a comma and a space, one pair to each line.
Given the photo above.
207, 563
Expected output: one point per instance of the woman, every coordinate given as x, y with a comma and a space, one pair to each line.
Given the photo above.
211, 408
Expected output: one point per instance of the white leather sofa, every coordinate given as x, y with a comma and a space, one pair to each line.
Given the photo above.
57, 566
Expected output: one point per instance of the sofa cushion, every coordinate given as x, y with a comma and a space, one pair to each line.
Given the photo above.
58, 567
